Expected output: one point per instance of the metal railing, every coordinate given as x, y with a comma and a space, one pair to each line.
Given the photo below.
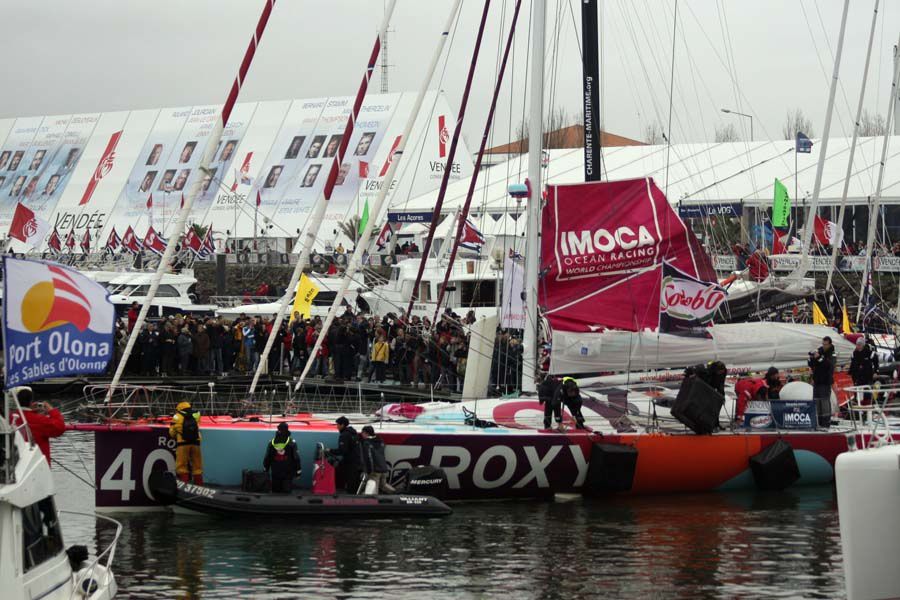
872, 402
109, 552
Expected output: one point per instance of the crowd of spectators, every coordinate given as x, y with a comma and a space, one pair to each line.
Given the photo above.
357, 347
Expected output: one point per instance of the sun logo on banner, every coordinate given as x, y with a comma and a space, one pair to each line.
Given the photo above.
54, 303
31, 228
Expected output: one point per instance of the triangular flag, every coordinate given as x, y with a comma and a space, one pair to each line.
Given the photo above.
781, 206
150, 202
363, 169
818, 315
364, 221
845, 321
182, 201
258, 199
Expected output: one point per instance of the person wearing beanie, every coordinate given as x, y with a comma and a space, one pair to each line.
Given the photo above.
282, 460
348, 452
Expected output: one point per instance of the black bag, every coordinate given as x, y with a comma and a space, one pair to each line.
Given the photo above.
254, 481
473, 421
697, 405
775, 467
190, 430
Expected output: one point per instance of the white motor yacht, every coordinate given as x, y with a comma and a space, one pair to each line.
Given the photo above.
35, 561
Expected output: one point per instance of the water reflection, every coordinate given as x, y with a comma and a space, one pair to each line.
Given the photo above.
710, 545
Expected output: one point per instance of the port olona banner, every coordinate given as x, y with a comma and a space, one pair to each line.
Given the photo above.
56, 322
602, 246
686, 304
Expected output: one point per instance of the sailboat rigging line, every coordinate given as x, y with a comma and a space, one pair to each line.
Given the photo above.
185, 211
738, 173
318, 213
354, 261
859, 108
488, 125
823, 151
671, 93
451, 155
876, 200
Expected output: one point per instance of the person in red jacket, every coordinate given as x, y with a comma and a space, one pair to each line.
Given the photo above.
43, 420
747, 389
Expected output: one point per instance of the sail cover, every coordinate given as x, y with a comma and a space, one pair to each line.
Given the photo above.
602, 248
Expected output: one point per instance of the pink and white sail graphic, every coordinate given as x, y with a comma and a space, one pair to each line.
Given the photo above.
602, 246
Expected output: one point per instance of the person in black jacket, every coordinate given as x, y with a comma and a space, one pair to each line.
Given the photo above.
374, 463
546, 389
282, 460
569, 395
863, 365
348, 469
822, 364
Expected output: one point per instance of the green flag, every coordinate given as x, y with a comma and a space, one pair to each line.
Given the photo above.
364, 220
781, 207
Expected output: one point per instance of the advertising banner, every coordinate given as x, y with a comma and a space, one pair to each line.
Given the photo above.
56, 322
699, 211
686, 304
512, 312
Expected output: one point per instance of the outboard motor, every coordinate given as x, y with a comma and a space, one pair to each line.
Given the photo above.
425, 481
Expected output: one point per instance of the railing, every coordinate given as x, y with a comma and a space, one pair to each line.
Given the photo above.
131, 403
109, 552
10, 457
877, 411
789, 262
233, 301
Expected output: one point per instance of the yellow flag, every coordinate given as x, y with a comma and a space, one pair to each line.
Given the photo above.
306, 293
846, 323
818, 315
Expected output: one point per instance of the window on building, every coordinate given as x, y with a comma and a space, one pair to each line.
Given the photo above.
478, 293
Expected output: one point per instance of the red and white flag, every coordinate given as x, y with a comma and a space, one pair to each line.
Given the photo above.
827, 233
471, 238
27, 227
113, 242
55, 242
390, 157
70, 240
150, 202
154, 242
209, 247
103, 167
384, 238
130, 242
86, 241
192, 241
258, 199
363, 169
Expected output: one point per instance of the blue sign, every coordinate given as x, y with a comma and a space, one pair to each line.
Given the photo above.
56, 322
698, 211
409, 217
794, 414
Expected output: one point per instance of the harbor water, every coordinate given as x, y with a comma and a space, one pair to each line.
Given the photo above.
783, 545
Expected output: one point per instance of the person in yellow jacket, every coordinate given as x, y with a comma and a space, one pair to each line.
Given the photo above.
185, 429
381, 352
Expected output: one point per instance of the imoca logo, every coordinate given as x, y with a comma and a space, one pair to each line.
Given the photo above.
54, 303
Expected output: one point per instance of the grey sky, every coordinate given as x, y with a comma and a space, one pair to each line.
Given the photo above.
100, 55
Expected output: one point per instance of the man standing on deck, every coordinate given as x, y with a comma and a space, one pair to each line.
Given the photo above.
43, 420
348, 470
822, 364
547, 387
185, 428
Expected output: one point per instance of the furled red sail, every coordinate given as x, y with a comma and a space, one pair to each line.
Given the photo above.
603, 244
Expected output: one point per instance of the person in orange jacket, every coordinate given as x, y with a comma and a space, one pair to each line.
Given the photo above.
43, 420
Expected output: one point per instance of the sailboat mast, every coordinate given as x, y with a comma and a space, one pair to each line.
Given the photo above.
208, 155
859, 107
532, 239
820, 167
464, 214
315, 221
451, 155
876, 201
377, 206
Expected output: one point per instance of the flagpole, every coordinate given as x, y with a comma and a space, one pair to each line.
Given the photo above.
315, 220
205, 161
820, 168
876, 200
354, 261
859, 107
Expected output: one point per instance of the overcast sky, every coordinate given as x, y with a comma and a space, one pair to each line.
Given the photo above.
761, 57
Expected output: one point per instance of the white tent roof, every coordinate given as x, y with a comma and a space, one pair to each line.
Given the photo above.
698, 173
